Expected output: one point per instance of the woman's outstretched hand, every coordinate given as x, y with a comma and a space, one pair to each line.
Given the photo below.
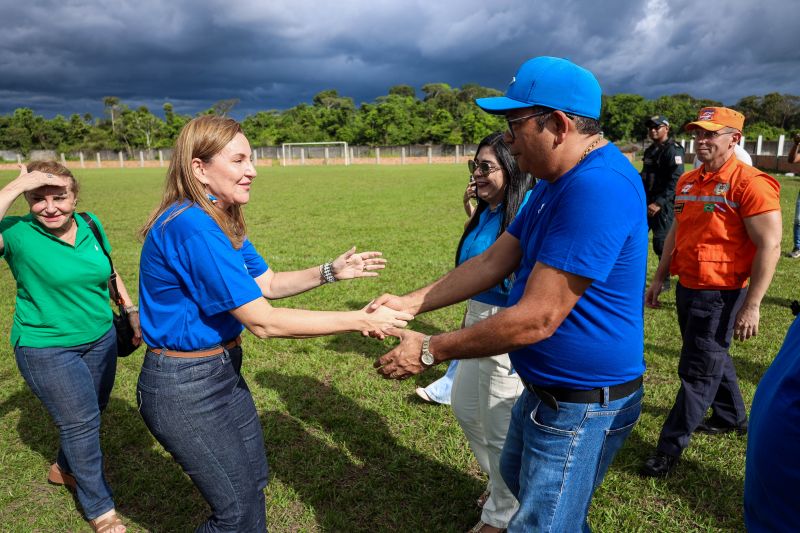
351, 265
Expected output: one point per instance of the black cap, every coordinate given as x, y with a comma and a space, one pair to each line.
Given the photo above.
657, 120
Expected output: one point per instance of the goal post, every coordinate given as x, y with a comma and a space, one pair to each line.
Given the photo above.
292, 153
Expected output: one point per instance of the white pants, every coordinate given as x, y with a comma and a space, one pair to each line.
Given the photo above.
484, 391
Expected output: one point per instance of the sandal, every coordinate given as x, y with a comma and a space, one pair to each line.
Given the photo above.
423, 395
57, 476
481, 501
108, 522
478, 528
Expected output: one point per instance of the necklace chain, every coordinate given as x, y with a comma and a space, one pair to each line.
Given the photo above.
589, 149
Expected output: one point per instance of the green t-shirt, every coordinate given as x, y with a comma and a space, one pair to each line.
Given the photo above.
62, 290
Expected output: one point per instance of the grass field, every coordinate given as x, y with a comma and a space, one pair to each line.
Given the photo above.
349, 451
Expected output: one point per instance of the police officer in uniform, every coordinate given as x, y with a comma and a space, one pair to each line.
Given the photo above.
663, 165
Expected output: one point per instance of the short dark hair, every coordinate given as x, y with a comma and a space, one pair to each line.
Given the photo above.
583, 125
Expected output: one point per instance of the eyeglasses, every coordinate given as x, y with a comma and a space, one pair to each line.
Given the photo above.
483, 168
700, 134
511, 121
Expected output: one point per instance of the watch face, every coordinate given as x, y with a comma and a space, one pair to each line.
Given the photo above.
427, 359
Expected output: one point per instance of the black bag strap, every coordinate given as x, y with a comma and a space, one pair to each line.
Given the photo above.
92, 226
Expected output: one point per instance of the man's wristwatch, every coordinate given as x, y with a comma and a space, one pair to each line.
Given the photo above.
426, 357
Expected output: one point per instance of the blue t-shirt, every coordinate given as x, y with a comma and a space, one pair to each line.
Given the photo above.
590, 222
772, 468
190, 277
478, 240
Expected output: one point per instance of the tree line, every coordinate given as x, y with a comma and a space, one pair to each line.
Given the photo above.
444, 115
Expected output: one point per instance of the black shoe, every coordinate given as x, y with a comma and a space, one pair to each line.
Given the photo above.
658, 465
713, 426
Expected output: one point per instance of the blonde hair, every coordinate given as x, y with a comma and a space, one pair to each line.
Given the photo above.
202, 138
53, 167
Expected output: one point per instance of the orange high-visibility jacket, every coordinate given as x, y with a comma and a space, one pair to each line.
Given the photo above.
712, 248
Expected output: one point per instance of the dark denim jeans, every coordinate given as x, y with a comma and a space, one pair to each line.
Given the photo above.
202, 412
74, 384
554, 460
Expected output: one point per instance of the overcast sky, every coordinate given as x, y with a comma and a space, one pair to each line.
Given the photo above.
64, 56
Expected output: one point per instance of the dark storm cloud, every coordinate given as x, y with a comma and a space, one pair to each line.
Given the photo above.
64, 57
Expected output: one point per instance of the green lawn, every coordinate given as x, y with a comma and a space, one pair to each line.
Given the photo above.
349, 451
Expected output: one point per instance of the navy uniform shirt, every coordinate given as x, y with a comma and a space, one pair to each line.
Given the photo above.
663, 165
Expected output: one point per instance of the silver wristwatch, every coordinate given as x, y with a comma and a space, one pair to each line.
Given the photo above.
426, 357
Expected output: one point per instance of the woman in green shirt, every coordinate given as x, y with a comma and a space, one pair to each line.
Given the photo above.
63, 337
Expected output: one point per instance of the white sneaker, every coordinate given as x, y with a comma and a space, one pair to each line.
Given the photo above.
422, 394
794, 254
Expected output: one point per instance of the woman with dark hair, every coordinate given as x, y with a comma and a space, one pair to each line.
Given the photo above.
485, 389
439, 391
63, 338
202, 282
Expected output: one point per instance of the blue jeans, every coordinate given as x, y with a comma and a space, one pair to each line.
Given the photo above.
797, 223
74, 384
439, 390
202, 412
554, 460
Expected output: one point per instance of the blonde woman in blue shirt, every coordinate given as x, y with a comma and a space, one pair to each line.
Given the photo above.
202, 282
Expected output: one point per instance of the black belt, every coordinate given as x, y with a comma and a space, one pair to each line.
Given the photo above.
552, 395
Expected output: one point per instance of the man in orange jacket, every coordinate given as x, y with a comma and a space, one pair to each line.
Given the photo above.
727, 229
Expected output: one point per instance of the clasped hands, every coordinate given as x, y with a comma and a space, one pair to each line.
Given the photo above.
403, 361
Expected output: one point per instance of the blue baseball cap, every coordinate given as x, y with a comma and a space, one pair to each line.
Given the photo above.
550, 82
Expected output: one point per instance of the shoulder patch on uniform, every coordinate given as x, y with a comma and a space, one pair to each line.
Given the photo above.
678, 160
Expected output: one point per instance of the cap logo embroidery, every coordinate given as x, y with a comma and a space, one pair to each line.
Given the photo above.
706, 115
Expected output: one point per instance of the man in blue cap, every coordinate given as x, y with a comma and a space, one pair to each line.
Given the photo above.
574, 327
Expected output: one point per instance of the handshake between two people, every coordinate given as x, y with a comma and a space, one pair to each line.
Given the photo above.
385, 316
403, 361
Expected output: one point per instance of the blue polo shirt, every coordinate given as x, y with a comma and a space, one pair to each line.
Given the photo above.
190, 277
478, 240
772, 468
591, 222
